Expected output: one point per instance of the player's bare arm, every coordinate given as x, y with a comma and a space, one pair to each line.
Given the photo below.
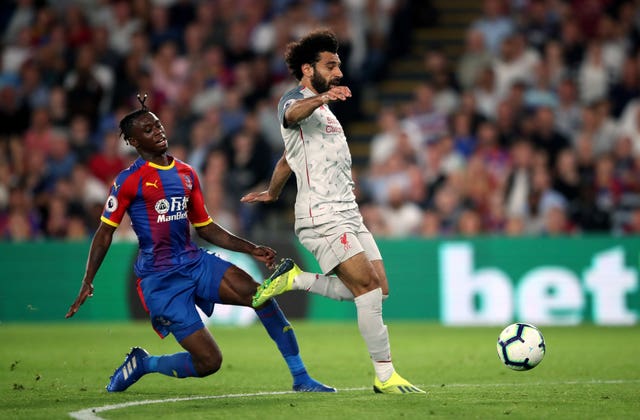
281, 174
302, 108
98, 250
219, 236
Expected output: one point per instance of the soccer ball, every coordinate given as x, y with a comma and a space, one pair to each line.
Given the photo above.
521, 346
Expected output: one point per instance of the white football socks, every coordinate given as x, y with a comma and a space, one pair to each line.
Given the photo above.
329, 286
369, 310
374, 332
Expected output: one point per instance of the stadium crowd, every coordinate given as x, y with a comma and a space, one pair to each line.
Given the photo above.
534, 130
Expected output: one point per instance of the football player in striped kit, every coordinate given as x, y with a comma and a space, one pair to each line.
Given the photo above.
163, 198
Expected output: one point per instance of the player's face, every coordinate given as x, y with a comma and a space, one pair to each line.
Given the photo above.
326, 72
148, 134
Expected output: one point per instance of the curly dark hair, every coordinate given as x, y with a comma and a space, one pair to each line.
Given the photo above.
307, 50
126, 123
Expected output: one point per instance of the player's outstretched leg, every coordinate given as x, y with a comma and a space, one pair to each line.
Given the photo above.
396, 384
129, 372
282, 333
280, 281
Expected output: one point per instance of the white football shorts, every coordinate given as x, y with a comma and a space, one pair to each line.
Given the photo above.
335, 237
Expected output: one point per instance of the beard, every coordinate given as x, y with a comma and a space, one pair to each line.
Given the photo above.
321, 84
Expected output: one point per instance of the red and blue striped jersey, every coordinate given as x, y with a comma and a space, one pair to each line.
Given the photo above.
161, 201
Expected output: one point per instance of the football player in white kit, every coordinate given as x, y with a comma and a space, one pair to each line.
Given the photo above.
327, 219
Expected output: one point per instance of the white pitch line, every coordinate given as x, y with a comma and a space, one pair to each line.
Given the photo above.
91, 413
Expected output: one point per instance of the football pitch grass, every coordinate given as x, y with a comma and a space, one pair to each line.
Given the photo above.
56, 371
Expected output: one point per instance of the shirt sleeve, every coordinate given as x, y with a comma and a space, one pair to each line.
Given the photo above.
120, 196
285, 102
198, 215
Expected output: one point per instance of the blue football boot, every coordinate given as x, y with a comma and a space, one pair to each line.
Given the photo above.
129, 372
309, 384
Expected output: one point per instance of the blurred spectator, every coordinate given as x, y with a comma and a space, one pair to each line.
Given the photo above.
614, 45
599, 127
626, 89
593, 77
169, 71
519, 179
469, 223
122, 25
214, 181
540, 23
401, 216
441, 76
515, 226
495, 24
430, 225
542, 198
469, 106
33, 89
541, 92
515, 63
20, 220
80, 140
568, 112
464, 139
474, 59
632, 225
486, 92
15, 54
107, 163
60, 160
545, 136
422, 112
78, 30
488, 150
201, 143
448, 205
554, 61
160, 29
566, 181
14, 112
394, 136
23, 15
395, 171
105, 55
57, 108
556, 221
87, 85
586, 14
40, 133
57, 218
249, 169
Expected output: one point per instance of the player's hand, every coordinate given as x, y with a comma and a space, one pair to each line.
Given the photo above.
337, 93
258, 197
86, 290
264, 254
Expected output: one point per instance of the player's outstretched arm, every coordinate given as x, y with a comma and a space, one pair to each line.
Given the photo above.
302, 108
219, 236
281, 174
99, 247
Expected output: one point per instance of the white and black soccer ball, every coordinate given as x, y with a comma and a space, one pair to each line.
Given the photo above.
521, 346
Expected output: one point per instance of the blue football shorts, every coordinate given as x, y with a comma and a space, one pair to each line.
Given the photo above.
170, 297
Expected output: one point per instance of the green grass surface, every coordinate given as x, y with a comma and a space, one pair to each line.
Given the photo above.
50, 370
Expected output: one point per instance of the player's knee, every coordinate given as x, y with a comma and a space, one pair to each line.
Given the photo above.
209, 365
372, 282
